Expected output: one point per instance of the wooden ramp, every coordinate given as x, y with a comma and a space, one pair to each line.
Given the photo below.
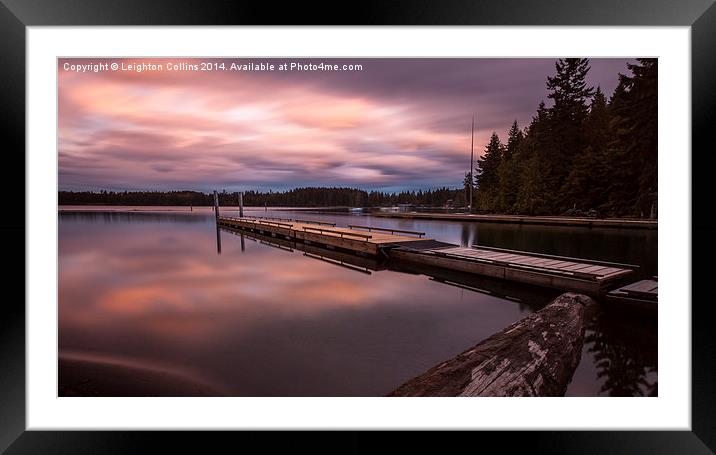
643, 294
531, 268
357, 239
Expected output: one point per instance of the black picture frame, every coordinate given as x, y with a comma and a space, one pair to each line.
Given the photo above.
16, 15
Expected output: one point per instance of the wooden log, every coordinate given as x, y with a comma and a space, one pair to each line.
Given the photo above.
535, 356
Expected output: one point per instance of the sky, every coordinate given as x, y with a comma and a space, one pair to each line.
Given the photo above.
395, 124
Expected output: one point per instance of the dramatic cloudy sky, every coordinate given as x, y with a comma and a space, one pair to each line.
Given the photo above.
397, 124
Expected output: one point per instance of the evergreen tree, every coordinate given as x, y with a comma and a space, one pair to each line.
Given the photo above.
637, 130
508, 171
585, 186
535, 166
487, 176
571, 95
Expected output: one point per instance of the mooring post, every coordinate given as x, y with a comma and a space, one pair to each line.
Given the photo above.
265, 206
218, 240
241, 204
216, 205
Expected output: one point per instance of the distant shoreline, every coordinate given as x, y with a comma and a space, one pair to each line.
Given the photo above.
174, 208
553, 220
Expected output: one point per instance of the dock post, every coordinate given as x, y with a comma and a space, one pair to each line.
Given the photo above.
265, 206
216, 205
218, 240
241, 204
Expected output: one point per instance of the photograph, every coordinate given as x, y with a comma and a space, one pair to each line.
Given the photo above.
357, 227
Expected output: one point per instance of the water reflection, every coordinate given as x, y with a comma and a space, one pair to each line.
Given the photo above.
624, 350
218, 240
278, 318
263, 323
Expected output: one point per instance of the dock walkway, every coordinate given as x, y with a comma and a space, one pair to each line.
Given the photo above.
642, 294
531, 268
356, 239
555, 272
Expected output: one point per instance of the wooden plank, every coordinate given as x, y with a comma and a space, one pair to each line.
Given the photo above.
594, 269
574, 267
641, 286
610, 271
529, 260
332, 236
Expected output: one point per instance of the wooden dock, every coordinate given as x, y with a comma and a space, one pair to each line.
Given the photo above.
531, 268
556, 272
356, 239
642, 294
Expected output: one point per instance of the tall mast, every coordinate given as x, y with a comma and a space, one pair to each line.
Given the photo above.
472, 145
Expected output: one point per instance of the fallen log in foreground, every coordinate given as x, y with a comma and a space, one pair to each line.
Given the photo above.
535, 356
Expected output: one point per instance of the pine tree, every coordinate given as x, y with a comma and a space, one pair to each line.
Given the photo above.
571, 95
585, 186
535, 166
487, 175
508, 171
633, 152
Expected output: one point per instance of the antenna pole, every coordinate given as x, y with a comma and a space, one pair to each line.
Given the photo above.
472, 148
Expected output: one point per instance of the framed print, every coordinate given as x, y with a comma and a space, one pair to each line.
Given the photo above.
413, 218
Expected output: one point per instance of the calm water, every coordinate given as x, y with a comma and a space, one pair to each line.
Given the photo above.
148, 306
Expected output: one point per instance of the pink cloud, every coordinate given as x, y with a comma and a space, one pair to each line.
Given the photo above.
171, 130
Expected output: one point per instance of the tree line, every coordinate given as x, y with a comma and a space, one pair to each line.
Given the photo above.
584, 154
298, 197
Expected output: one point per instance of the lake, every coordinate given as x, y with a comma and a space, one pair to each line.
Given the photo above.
153, 302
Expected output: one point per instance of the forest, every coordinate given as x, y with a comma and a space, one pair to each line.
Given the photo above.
298, 197
585, 154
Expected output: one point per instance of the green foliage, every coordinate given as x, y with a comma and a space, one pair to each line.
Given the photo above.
508, 170
487, 175
584, 153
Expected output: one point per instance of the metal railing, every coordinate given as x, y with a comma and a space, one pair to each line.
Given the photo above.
392, 231
270, 223
322, 223
268, 218
341, 233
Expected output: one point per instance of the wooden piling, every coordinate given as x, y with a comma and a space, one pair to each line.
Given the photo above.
241, 204
536, 356
216, 205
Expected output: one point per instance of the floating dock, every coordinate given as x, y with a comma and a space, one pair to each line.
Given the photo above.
555, 272
642, 294
358, 239
522, 219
